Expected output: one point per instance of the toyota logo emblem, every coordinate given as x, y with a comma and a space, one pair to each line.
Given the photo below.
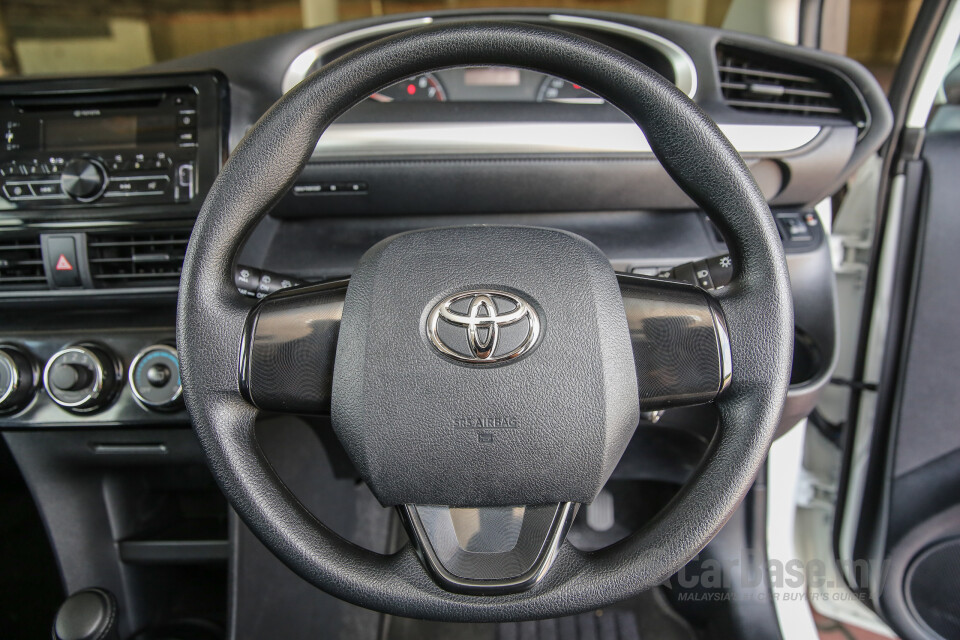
483, 327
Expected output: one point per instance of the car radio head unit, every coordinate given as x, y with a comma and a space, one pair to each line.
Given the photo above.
126, 143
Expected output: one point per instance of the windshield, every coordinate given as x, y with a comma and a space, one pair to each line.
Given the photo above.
49, 37
93, 36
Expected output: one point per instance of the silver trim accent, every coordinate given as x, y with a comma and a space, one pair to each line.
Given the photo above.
723, 344
97, 379
684, 69
405, 139
14, 376
131, 373
111, 449
298, 69
483, 349
471, 138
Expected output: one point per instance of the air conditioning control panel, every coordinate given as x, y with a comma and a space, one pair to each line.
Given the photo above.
90, 378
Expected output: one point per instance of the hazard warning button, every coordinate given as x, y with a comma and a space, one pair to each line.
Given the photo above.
61, 259
63, 264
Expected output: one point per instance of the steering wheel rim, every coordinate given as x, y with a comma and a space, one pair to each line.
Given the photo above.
757, 305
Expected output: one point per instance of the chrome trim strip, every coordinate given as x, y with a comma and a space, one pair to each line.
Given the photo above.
723, 344
684, 69
14, 376
468, 138
298, 69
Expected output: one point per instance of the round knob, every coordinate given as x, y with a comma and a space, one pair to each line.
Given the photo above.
71, 377
82, 377
155, 378
18, 379
83, 179
158, 375
90, 614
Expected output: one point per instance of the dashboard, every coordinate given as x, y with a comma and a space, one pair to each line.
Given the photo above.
101, 178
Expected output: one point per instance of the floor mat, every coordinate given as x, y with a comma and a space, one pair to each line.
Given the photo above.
646, 617
598, 625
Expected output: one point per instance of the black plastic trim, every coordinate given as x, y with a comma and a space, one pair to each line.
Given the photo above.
566, 512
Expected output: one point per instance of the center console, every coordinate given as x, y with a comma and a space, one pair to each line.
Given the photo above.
100, 183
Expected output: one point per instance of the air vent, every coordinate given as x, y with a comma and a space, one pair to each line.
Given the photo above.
771, 85
21, 265
142, 259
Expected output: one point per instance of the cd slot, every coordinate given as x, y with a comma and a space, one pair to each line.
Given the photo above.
136, 100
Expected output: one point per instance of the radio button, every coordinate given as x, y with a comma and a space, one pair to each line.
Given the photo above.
137, 186
21, 135
48, 189
185, 182
153, 185
120, 186
17, 191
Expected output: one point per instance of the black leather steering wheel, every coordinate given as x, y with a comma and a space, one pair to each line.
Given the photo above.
487, 447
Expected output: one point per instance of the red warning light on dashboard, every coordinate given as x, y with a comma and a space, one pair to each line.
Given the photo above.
63, 264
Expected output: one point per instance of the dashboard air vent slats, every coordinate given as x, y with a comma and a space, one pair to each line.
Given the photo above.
21, 265
141, 259
772, 85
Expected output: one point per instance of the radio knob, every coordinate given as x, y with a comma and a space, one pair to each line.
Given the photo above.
83, 179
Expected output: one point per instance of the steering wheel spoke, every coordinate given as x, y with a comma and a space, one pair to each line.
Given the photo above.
488, 550
681, 346
288, 348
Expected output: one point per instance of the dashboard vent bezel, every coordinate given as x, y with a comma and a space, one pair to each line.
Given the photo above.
136, 259
21, 264
755, 82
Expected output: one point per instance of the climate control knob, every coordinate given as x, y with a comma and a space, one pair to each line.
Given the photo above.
18, 379
155, 378
83, 179
82, 378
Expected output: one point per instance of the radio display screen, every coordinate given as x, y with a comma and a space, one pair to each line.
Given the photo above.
109, 132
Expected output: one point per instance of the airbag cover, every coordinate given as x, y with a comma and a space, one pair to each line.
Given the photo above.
423, 427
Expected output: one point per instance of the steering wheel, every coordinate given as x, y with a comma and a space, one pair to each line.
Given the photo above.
485, 380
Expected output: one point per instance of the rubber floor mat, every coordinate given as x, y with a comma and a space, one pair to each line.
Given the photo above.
595, 625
